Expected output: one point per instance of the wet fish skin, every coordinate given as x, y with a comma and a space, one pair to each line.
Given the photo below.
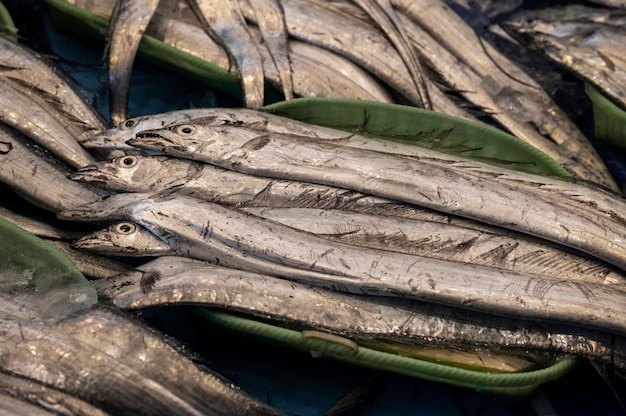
203, 391
388, 21
26, 71
593, 51
44, 397
38, 178
24, 114
224, 22
116, 138
128, 390
435, 187
226, 237
91, 265
534, 110
271, 21
126, 28
178, 279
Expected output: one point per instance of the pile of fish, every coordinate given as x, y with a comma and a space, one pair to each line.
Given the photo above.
412, 52
354, 238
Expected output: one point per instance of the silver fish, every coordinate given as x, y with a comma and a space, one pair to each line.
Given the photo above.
593, 51
538, 118
117, 137
271, 21
27, 71
129, 389
384, 175
126, 27
224, 22
210, 232
171, 280
37, 227
24, 114
91, 265
386, 18
48, 401
38, 178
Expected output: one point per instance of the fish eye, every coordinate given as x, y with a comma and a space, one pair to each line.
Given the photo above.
125, 228
185, 130
128, 124
127, 161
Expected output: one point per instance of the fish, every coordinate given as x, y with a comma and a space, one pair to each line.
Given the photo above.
224, 22
24, 114
128, 23
28, 72
41, 399
316, 208
591, 49
214, 233
116, 138
100, 349
39, 178
38, 227
270, 19
388, 21
129, 389
532, 115
423, 238
384, 175
91, 265
171, 280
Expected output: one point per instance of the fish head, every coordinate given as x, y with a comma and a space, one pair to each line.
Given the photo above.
117, 137
178, 140
125, 238
135, 173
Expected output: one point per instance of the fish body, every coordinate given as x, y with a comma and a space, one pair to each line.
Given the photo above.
26, 115
168, 280
223, 236
23, 69
126, 28
37, 177
592, 49
396, 178
225, 23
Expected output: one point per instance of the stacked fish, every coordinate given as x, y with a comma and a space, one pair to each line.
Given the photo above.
384, 235
412, 52
340, 234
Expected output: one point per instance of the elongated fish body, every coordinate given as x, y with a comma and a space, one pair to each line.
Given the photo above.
428, 185
210, 232
200, 390
37, 177
24, 114
594, 51
126, 28
124, 239
26, 71
43, 397
117, 137
445, 241
91, 265
271, 21
388, 21
169, 280
37, 227
225, 23
65, 361
507, 83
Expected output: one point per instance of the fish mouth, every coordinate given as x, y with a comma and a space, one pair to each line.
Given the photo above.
151, 140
